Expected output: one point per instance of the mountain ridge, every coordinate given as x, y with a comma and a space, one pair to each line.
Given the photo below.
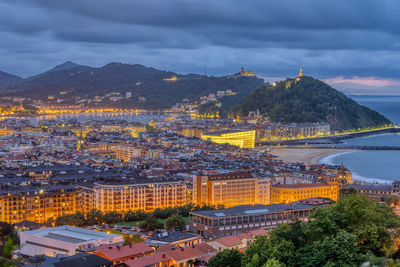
67, 65
149, 87
7, 79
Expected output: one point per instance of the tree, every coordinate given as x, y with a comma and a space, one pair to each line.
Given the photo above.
5, 229
8, 248
79, 219
226, 258
94, 217
112, 217
131, 216
338, 250
175, 222
151, 224
273, 263
133, 239
340, 235
343, 192
67, 219
369, 221
50, 222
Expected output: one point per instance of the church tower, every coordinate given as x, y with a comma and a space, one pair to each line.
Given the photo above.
80, 141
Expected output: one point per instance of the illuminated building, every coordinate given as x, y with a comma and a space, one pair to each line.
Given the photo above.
192, 131
293, 131
6, 132
287, 193
230, 190
127, 152
38, 204
236, 137
136, 131
246, 73
240, 219
344, 176
138, 195
171, 79
300, 75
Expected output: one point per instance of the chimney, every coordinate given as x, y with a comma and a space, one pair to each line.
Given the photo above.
163, 255
182, 249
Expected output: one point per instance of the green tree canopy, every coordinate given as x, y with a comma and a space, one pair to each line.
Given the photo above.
340, 235
226, 258
112, 217
175, 222
151, 224
94, 217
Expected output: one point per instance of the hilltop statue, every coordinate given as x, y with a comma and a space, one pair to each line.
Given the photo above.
300, 75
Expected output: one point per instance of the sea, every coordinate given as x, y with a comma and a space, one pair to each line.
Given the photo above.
375, 166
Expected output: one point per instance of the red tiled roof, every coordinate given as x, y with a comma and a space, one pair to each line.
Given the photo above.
165, 248
148, 260
230, 241
258, 232
199, 250
112, 252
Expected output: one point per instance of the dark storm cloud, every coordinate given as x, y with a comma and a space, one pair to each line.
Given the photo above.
273, 38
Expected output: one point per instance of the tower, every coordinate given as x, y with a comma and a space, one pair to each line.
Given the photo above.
300, 75
80, 141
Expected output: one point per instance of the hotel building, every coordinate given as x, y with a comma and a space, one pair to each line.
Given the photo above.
287, 193
236, 137
139, 194
230, 189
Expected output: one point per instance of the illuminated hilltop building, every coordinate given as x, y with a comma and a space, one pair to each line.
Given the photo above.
236, 137
171, 79
230, 189
300, 75
246, 73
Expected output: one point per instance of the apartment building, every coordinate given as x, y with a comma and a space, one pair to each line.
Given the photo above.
36, 204
230, 189
134, 194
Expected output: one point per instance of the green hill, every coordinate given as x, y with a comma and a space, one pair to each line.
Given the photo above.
309, 100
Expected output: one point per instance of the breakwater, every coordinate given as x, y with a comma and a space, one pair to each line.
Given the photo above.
331, 139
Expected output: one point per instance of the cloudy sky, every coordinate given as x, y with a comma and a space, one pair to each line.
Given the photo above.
352, 44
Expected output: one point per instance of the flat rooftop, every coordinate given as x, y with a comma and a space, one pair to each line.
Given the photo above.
252, 209
70, 234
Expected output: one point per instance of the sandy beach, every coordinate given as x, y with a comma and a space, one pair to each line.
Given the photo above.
306, 155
